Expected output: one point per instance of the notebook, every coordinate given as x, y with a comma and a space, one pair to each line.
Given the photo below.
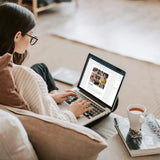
99, 83
147, 142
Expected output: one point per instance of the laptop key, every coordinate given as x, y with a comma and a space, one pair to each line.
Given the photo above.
72, 99
86, 115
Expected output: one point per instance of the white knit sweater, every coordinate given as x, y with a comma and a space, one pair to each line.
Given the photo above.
34, 92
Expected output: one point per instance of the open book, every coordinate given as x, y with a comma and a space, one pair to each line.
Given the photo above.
66, 75
147, 143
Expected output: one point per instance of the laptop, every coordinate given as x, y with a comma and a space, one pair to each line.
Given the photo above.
99, 83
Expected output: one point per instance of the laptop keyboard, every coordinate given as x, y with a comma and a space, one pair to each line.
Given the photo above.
89, 114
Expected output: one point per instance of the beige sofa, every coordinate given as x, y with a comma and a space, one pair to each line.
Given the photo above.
29, 136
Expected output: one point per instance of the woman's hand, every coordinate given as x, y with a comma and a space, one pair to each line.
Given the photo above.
60, 97
78, 107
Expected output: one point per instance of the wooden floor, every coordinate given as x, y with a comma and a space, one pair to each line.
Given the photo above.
128, 27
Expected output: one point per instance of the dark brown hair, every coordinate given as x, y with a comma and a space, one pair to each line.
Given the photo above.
14, 18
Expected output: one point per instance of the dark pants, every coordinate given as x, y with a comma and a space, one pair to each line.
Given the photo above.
43, 71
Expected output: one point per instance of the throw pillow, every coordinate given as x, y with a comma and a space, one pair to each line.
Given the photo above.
8, 93
14, 143
59, 140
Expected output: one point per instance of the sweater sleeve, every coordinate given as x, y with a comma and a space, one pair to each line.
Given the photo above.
34, 91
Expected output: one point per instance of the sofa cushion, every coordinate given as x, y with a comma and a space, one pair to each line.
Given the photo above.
57, 139
8, 93
14, 142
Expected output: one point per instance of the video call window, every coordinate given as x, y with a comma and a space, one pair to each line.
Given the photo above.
98, 78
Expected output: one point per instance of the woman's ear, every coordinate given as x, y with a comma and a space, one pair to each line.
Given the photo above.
17, 36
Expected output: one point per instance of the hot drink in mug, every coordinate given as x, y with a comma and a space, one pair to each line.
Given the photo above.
136, 113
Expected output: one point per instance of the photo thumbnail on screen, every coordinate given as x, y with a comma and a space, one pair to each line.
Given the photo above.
98, 78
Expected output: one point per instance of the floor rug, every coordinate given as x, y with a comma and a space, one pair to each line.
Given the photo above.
141, 84
127, 27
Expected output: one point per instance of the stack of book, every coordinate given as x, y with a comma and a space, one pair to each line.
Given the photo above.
147, 143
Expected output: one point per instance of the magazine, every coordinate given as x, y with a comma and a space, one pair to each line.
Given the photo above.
146, 142
66, 75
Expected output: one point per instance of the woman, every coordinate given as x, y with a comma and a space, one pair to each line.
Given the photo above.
16, 33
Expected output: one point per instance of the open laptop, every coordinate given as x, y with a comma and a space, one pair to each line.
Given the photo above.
99, 83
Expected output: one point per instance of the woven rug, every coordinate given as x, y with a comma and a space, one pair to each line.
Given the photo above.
126, 27
141, 84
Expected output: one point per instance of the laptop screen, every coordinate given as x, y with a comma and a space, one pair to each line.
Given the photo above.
101, 80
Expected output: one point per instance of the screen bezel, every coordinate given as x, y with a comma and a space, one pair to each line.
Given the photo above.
111, 66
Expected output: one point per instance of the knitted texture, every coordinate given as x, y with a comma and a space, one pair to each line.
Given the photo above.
33, 90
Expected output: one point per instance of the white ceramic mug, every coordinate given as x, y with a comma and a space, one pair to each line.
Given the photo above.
136, 113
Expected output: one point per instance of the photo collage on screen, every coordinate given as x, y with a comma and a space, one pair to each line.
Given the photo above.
98, 78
